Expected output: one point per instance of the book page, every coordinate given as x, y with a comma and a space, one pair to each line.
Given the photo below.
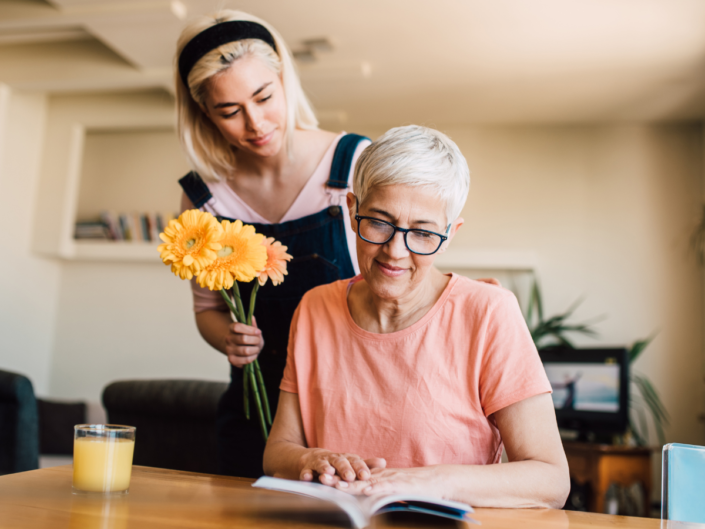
347, 502
360, 509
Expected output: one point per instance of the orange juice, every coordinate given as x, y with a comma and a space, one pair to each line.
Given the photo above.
102, 464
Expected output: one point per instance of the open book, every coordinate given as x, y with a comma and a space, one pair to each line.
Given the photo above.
361, 509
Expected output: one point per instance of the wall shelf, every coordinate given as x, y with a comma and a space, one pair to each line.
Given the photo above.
85, 250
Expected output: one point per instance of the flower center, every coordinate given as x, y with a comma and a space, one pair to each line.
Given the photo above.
190, 243
225, 251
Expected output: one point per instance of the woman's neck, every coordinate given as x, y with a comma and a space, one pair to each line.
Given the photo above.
270, 167
383, 316
271, 185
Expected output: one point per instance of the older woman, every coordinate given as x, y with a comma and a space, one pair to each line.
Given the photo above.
406, 379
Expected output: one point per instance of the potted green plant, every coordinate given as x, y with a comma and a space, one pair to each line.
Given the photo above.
553, 331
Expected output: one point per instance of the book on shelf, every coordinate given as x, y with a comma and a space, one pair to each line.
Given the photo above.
91, 230
133, 227
361, 509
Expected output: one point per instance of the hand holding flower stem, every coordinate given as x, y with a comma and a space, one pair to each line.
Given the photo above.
250, 380
219, 255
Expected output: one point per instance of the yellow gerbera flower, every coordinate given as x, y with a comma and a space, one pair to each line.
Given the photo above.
240, 259
190, 242
275, 269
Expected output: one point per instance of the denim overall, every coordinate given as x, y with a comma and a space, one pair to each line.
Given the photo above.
320, 255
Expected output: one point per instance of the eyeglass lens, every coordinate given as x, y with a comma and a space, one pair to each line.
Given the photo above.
418, 241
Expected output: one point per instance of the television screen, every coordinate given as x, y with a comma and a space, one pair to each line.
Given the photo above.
584, 387
590, 388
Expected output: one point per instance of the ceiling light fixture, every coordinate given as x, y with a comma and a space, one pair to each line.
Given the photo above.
310, 48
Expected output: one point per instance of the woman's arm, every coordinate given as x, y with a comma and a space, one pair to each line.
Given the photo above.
239, 342
536, 476
286, 455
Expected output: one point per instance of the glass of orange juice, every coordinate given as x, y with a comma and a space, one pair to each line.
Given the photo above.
102, 458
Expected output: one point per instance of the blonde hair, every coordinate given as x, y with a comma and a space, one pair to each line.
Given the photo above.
208, 152
415, 156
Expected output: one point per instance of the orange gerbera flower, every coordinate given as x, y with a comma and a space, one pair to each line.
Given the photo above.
241, 258
190, 242
275, 269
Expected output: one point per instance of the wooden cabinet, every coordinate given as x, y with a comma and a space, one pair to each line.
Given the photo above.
600, 465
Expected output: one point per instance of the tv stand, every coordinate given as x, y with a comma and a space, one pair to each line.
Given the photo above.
599, 465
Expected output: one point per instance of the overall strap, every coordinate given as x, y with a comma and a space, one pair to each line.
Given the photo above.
196, 189
342, 160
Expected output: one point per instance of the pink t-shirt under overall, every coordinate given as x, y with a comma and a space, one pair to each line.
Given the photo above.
421, 396
314, 197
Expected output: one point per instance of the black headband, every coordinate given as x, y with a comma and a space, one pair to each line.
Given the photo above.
218, 35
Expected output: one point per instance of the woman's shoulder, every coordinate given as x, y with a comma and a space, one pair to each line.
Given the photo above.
481, 294
326, 297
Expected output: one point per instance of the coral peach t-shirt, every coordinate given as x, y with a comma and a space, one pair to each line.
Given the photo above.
421, 396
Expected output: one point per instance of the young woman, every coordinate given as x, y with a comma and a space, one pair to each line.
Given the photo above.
252, 139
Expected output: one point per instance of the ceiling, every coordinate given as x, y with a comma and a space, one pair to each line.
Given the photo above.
398, 61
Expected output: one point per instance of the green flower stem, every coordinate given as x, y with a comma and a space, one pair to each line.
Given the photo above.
229, 303
252, 374
253, 298
262, 423
255, 364
263, 389
238, 301
246, 380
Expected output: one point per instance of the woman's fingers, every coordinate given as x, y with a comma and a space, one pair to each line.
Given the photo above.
343, 468
376, 463
241, 361
361, 469
323, 467
245, 330
243, 344
339, 469
246, 339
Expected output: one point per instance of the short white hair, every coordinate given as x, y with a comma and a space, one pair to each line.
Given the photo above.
415, 156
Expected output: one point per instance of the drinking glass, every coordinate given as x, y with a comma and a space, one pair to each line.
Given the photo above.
102, 458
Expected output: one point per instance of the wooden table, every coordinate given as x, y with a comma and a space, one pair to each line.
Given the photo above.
170, 499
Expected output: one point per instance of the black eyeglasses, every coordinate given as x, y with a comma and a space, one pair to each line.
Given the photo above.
377, 231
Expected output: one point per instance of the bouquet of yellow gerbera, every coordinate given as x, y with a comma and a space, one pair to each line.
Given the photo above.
219, 255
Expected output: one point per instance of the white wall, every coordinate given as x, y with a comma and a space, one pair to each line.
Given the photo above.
132, 319
126, 321
28, 284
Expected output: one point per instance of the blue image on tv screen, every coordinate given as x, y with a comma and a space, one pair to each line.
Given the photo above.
584, 387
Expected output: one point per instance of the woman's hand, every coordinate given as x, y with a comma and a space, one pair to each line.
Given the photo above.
243, 343
421, 480
490, 281
333, 468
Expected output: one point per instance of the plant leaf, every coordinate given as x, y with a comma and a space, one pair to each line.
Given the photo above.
539, 301
650, 395
658, 412
643, 434
639, 346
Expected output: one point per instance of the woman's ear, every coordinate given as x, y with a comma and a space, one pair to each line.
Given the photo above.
454, 227
351, 200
